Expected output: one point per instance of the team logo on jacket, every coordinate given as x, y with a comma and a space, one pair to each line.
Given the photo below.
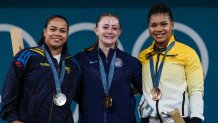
118, 63
45, 64
67, 69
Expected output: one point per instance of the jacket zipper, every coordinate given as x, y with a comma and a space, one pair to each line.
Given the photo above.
105, 116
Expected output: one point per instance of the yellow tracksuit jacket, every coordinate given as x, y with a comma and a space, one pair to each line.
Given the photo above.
181, 82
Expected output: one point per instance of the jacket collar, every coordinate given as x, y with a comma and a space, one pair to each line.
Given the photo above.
64, 53
151, 48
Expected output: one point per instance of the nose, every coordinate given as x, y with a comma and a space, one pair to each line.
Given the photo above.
110, 30
57, 32
158, 28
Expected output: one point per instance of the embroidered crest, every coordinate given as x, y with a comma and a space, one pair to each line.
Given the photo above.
67, 69
118, 63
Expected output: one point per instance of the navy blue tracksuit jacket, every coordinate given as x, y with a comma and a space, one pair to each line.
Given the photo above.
29, 88
91, 96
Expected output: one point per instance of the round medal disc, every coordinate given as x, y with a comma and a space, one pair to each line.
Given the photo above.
59, 99
155, 94
107, 102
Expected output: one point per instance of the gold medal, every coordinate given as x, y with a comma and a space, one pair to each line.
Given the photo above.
155, 94
107, 102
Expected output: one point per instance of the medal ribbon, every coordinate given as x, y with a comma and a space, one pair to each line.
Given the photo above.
58, 81
107, 82
156, 78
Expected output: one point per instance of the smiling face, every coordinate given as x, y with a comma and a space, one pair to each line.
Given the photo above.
108, 30
56, 33
160, 28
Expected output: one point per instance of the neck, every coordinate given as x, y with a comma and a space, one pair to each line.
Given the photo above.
106, 49
55, 51
161, 45
159, 50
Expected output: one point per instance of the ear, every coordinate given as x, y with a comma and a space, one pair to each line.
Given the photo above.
95, 30
44, 33
172, 23
120, 31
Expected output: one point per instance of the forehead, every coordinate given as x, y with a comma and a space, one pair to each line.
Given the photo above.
109, 20
159, 17
58, 22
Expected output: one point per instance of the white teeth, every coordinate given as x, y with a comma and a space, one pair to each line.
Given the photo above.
109, 37
56, 39
159, 35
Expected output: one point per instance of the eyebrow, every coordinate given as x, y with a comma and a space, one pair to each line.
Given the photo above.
56, 27
106, 25
109, 25
160, 22
164, 21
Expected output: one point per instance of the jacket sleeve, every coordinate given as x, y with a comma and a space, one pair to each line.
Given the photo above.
195, 120
11, 91
77, 97
136, 82
195, 81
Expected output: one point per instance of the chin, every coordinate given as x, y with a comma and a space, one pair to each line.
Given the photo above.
159, 41
109, 42
56, 46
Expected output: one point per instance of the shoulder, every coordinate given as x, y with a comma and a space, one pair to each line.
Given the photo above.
30, 52
23, 57
74, 62
123, 54
127, 57
144, 53
183, 46
27, 53
79, 54
185, 50
72, 59
82, 55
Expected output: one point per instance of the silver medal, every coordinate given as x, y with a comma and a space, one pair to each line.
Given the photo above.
59, 99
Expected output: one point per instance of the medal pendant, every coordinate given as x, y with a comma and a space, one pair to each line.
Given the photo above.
107, 102
59, 99
155, 94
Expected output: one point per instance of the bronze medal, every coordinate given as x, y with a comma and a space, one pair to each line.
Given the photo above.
107, 102
155, 94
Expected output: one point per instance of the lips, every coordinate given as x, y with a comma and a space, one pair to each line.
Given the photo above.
109, 37
159, 35
55, 38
